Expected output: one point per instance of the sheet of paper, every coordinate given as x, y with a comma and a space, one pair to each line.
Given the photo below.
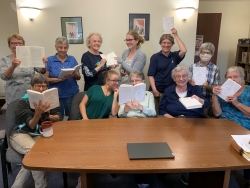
168, 24
37, 53
110, 58
241, 140
199, 75
125, 94
23, 54
139, 92
228, 88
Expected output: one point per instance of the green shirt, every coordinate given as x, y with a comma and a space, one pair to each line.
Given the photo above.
99, 106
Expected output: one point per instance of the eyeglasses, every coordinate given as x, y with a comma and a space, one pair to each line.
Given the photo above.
41, 86
135, 81
115, 81
181, 76
128, 40
16, 43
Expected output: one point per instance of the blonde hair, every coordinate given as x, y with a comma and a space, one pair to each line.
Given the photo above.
136, 36
16, 36
107, 74
90, 35
167, 36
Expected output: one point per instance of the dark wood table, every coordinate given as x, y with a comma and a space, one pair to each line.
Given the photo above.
201, 146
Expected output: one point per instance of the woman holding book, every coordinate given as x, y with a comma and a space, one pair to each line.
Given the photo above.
99, 101
170, 105
135, 108
237, 106
67, 86
17, 79
133, 59
26, 133
162, 63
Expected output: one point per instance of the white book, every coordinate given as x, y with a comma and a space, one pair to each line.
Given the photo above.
167, 24
110, 58
50, 95
242, 141
199, 75
30, 56
66, 71
129, 93
229, 88
190, 103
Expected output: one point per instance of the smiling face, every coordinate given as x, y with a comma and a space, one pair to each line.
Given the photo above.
166, 46
181, 78
131, 42
62, 49
113, 81
14, 42
94, 43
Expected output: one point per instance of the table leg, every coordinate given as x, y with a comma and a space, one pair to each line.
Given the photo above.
87, 180
226, 178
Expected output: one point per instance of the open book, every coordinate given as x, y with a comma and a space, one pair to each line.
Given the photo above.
66, 71
30, 56
241, 144
50, 95
110, 58
190, 103
129, 93
229, 88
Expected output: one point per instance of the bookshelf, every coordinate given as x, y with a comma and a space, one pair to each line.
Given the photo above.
243, 60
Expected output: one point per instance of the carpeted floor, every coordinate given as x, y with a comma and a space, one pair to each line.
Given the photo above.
55, 179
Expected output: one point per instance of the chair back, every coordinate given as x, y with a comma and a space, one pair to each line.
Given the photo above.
77, 98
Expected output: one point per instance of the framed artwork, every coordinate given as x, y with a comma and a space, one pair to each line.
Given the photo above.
72, 29
140, 22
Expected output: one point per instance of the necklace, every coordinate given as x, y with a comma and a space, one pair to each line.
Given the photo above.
105, 92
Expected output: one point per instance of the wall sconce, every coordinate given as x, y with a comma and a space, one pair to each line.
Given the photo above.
30, 12
184, 12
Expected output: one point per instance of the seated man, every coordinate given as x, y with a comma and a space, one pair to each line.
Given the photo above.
26, 133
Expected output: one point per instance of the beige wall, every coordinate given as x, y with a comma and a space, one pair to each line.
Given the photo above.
235, 24
111, 19
8, 22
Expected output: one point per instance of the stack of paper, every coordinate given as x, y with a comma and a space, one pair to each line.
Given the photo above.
241, 144
190, 103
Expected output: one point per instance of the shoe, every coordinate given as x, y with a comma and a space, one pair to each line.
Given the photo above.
184, 178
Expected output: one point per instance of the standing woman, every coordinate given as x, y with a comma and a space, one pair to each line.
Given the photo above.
17, 79
162, 64
92, 63
133, 59
67, 87
99, 101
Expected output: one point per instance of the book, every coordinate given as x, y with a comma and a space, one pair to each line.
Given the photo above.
229, 88
30, 56
50, 95
129, 93
244, 57
110, 58
167, 24
66, 71
199, 75
241, 143
155, 150
190, 103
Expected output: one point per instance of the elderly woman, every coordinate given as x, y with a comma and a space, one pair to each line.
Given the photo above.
29, 120
132, 58
135, 108
162, 63
17, 79
237, 106
206, 52
99, 101
68, 86
170, 105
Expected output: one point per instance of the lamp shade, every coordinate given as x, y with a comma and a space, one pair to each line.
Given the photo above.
30, 12
184, 12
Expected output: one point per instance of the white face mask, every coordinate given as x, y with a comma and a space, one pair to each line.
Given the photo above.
205, 57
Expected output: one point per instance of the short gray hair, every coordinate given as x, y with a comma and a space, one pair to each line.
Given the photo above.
61, 40
178, 69
38, 79
207, 46
239, 70
90, 35
137, 74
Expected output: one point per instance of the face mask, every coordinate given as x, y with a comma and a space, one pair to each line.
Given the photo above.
205, 57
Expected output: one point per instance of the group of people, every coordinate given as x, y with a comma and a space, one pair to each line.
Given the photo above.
168, 82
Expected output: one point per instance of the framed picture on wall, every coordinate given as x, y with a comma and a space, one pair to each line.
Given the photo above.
140, 22
72, 29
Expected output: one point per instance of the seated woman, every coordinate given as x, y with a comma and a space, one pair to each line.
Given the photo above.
134, 108
29, 120
99, 101
170, 106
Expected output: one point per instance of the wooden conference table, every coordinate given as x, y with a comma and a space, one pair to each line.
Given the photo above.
100, 146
